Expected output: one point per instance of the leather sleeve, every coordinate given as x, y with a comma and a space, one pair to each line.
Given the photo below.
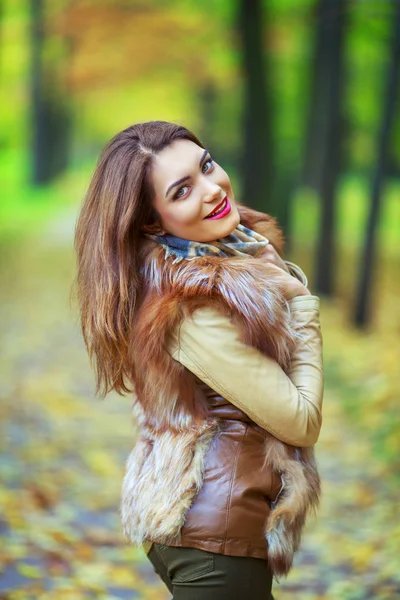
286, 405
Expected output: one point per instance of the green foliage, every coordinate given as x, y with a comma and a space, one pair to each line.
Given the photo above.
25, 209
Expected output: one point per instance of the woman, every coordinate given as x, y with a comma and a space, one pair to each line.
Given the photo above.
186, 301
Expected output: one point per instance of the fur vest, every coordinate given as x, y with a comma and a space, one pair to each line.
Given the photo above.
164, 470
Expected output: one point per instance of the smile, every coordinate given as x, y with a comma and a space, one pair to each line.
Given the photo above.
221, 210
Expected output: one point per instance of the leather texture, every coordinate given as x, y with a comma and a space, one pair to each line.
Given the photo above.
230, 511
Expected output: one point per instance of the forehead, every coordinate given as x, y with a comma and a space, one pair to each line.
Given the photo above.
176, 161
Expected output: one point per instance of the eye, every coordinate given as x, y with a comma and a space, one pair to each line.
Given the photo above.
178, 195
206, 167
210, 162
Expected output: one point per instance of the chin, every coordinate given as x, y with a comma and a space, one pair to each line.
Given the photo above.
228, 226
232, 223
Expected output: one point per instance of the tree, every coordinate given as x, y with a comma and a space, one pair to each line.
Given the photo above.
121, 45
208, 98
325, 131
390, 101
50, 115
257, 137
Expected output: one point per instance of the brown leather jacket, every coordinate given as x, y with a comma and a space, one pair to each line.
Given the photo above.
229, 514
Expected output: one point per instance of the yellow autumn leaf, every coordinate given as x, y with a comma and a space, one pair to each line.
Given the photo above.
123, 576
31, 571
100, 462
362, 557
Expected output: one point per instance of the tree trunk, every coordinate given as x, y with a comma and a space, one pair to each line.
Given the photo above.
325, 137
316, 126
284, 188
208, 101
37, 104
363, 298
50, 117
257, 137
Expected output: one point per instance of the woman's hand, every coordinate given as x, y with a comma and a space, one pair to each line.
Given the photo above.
291, 286
269, 254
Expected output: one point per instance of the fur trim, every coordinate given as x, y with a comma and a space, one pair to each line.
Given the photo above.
164, 472
299, 495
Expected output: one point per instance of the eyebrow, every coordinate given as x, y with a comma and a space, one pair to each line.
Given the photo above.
187, 176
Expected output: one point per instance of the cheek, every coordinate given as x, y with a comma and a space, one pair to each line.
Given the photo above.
224, 180
182, 213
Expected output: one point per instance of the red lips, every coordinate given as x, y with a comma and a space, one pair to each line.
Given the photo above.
216, 207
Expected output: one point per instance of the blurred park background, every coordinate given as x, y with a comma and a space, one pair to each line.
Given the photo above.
299, 101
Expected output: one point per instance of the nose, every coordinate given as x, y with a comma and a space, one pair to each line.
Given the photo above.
212, 192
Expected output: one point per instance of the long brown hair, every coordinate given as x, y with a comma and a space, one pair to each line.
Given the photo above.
117, 205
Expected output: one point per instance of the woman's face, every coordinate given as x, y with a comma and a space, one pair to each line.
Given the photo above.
188, 186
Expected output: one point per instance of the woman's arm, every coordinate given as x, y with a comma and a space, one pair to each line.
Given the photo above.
288, 406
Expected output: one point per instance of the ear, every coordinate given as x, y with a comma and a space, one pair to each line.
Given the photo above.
154, 229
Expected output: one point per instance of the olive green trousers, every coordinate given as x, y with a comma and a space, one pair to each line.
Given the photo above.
192, 574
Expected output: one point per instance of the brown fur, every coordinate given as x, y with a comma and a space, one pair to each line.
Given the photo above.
165, 469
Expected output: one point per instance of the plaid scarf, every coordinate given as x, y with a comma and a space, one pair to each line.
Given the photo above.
241, 242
